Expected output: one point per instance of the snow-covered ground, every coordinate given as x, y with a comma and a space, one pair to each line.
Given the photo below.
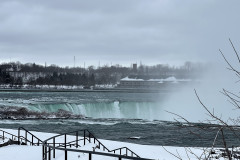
16, 152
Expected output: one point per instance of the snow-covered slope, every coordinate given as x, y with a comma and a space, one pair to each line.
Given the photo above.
16, 152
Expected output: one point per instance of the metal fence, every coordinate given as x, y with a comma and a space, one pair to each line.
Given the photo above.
70, 142
51, 145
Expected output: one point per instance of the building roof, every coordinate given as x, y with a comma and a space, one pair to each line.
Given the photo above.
169, 79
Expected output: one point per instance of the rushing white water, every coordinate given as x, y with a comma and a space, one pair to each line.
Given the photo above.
116, 109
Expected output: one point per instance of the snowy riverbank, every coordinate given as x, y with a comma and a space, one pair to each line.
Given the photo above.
146, 151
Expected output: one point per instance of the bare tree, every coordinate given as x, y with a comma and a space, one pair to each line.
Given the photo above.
227, 152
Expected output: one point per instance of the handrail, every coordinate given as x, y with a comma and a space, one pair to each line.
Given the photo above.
95, 139
30, 133
127, 149
19, 137
48, 147
4, 133
90, 152
14, 137
25, 138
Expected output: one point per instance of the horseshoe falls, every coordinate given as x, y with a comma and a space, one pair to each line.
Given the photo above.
116, 105
116, 109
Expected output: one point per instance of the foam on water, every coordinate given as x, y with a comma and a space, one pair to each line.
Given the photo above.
116, 109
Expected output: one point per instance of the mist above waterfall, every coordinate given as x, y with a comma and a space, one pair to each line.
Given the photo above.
185, 103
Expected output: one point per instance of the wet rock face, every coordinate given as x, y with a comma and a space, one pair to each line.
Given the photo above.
24, 113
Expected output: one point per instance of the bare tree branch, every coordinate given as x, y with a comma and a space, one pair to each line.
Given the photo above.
172, 153
235, 50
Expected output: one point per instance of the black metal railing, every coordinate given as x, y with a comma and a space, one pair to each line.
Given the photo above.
67, 141
28, 137
51, 145
3, 135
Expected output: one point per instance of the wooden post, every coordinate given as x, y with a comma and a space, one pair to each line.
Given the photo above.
120, 158
3, 135
120, 151
32, 140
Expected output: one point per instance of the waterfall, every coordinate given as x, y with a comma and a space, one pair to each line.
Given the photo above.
116, 109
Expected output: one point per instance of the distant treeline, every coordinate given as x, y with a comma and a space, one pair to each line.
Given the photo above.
16, 73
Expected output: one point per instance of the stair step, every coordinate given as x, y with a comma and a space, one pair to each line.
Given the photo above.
11, 142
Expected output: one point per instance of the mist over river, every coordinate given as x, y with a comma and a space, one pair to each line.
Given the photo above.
111, 115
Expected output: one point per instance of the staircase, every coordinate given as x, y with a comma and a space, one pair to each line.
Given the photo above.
68, 142
11, 139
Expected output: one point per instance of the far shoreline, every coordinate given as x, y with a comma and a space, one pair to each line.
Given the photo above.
128, 90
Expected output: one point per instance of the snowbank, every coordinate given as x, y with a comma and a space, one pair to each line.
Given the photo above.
146, 151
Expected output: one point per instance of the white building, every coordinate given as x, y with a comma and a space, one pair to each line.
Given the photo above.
150, 83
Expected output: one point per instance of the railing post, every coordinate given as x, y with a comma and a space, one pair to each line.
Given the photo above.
3, 135
26, 137
120, 158
120, 151
89, 135
90, 156
65, 141
43, 152
84, 134
18, 136
54, 147
77, 139
49, 153
65, 154
32, 140
126, 152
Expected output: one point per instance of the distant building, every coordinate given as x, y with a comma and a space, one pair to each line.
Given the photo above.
135, 67
150, 83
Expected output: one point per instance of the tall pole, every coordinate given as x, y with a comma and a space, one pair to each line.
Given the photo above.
74, 61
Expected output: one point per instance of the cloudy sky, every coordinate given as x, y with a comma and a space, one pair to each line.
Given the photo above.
117, 31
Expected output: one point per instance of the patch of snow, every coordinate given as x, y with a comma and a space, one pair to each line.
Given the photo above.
131, 79
146, 151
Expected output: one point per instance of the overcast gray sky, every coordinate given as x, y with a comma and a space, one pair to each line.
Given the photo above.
117, 31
